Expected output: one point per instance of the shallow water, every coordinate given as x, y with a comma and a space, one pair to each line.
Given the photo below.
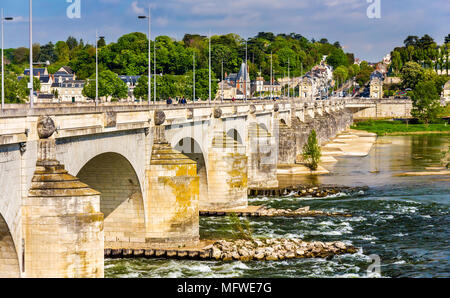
403, 220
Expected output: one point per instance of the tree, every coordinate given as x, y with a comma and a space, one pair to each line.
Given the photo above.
109, 85
22, 88
426, 102
411, 41
21, 55
396, 62
62, 52
11, 89
311, 152
47, 53
337, 58
340, 74
411, 74
101, 42
141, 89
71, 42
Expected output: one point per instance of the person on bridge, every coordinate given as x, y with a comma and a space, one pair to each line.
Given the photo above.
169, 101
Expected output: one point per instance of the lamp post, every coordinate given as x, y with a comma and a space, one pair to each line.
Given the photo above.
271, 76
245, 72
222, 80
3, 66
30, 84
209, 98
193, 66
154, 72
96, 65
289, 79
149, 51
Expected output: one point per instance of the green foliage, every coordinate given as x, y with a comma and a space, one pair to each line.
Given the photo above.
445, 160
311, 152
340, 74
337, 58
240, 230
422, 50
411, 74
364, 76
109, 85
383, 127
174, 59
426, 102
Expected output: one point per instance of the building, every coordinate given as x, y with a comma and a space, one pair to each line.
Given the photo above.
275, 87
70, 91
131, 82
243, 82
37, 72
306, 88
63, 74
46, 84
446, 91
376, 88
229, 91
240, 81
46, 98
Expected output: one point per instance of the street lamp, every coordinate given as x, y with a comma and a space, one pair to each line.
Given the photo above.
193, 66
96, 65
30, 84
149, 50
3, 72
209, 99
154, 74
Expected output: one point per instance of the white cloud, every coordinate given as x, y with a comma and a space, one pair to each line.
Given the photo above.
136, 9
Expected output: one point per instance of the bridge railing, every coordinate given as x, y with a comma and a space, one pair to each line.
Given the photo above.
74, 108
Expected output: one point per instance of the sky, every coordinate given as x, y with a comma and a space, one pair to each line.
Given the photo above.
346, 21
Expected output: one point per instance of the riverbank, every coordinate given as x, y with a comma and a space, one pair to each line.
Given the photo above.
385, 127
348, 143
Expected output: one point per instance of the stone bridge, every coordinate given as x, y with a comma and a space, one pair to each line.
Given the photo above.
76, 179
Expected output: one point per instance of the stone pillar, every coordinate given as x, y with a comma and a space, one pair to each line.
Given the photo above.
172, 195
262, 156
286, 144
62, 222
227, 170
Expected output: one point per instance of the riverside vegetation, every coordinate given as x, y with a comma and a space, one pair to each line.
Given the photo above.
386, 127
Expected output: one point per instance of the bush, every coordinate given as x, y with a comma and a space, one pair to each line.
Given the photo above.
239, 230
311, 152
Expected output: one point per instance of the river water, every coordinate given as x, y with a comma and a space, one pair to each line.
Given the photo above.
401, 223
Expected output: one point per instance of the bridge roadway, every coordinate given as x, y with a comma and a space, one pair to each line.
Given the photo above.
79, 178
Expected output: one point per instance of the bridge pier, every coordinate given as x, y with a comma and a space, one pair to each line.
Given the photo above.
172, 196
62, 223
226, 169
262, 155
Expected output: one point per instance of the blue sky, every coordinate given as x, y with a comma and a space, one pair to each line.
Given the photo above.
345, 21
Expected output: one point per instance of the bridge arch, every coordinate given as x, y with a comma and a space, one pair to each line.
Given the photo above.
121, 199
234, 134
9, 261
192, 149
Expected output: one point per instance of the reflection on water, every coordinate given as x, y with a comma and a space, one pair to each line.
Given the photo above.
392, 155
404, 220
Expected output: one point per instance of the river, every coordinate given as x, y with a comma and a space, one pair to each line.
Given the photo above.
403, 223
